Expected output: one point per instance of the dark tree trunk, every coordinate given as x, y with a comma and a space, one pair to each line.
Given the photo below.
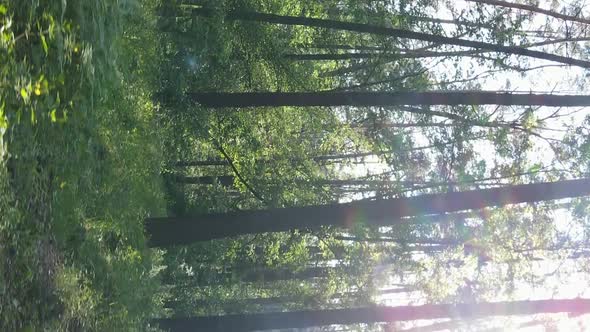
270, 275
225, 180
328, 158
244, 303
304, 319
248, 274
399, 33
534, 9
344, 47
228, 180
397, 290
411, 243
168, 231
217, 162
386, 56
383, 124
258, 99
207, 162
362, 86
452, 325
443, 21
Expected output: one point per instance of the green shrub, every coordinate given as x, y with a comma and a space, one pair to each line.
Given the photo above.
80, 164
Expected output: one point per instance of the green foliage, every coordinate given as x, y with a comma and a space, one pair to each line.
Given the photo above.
271, 150
80, 165
95, 106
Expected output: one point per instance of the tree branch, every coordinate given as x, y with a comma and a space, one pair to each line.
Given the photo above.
238, 175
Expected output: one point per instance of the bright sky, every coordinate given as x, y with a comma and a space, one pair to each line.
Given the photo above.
547, 80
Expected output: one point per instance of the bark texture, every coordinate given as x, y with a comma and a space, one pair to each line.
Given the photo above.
392, 32
303, 319
169, 231
361, 98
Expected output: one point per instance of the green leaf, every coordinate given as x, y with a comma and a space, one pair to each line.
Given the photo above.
44, 43
535, 168
3, 10
3, 119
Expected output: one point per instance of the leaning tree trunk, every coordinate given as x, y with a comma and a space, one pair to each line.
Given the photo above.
392, 32
228, 180
304, 319
362, 98
533, 9
382, 56
168, 231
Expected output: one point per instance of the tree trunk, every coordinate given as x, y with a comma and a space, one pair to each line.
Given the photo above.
399, 33
344, 47
387, 56
270, 275
168, 231
228, 180
452, 325
373, 83
246, 303
388, 125
345, 185
218, 162
411, 243
248, 275
259, 99
444, 21
206, 162
533, 9
327, 158
225, 180
396, 290
173, 303
309, 318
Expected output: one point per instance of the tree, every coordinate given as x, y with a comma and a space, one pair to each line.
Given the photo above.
447, 325
534, 9
303, 319
228, 180
410, 54
399, 33
167, 231
257, 99
244, 274
225, 180
272, 153
237, 303
386, 56
325, 158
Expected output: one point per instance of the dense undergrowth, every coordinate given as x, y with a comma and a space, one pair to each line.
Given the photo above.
80, 164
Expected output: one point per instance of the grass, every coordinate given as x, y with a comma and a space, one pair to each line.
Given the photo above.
80, 160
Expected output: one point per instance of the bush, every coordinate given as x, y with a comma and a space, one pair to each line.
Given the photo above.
80, 164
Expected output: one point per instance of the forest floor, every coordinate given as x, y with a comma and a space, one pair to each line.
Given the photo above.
80, 161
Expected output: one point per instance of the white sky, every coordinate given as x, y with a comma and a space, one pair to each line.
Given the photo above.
548, 80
